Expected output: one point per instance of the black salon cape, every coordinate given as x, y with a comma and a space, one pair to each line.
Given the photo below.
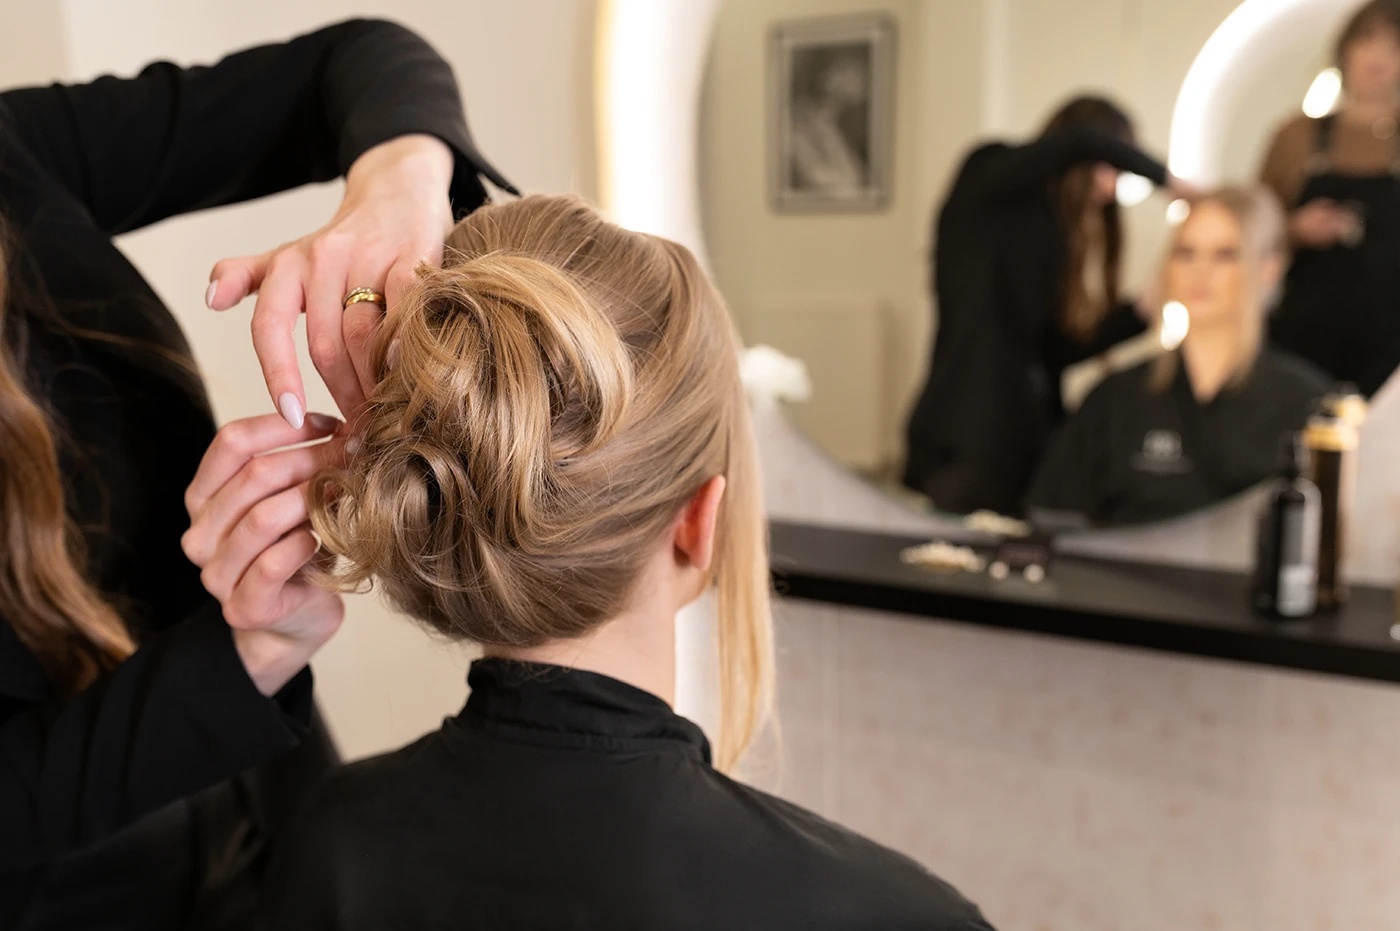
563, 799
1132, 454
77, 166
992, 396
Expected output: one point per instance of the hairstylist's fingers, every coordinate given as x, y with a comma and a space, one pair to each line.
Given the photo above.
234, 279
274, 321
240, 441
327, 286
260, 479
359, 324
404, 274
262, 525
262, 596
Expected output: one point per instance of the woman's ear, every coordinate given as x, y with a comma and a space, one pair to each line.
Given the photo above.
695, 530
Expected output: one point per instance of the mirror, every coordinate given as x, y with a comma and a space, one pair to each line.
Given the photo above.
967, 235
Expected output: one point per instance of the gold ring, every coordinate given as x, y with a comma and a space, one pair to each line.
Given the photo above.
363, 294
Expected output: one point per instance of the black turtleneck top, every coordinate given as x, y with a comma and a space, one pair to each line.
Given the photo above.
565, 799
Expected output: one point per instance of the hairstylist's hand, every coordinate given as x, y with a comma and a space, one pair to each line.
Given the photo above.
1321, 223
1179, 189
395, 215
249, 534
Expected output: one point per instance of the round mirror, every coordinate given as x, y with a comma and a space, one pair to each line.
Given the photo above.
999, 296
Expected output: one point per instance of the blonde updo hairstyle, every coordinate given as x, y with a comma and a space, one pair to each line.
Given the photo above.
559, 390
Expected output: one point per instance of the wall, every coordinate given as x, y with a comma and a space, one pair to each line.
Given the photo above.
527, 91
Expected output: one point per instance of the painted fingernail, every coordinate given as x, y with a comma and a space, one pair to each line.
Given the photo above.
352, 445
317, 537
209, 295
322, 423
391, 358
291, 409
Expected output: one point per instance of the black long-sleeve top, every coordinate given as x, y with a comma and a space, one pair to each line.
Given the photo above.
566, 799
993, 389
79, 164
1133, 454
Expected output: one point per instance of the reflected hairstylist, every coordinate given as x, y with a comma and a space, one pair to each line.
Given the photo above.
1026, 271
1340, 177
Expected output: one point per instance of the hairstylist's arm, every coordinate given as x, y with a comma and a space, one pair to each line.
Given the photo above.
249, 536
172, 140
395, 214
192, 705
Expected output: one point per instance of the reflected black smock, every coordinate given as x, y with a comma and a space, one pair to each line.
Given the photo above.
1341, 305
89, 837
993, 390
566, 799
1132, 454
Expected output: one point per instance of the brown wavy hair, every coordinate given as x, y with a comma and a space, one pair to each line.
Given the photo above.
44, 591
561, 388
1093, 232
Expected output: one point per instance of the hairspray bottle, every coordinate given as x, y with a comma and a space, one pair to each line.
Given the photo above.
1285, 567
1331, 437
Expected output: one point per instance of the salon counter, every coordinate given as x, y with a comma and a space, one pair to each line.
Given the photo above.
1165, 608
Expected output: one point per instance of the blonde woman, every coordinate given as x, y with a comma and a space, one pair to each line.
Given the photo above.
1203, 422
557, 458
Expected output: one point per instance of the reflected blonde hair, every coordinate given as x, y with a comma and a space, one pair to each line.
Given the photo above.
562, 388
1257, 212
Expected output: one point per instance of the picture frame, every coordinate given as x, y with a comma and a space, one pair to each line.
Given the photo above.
830, 113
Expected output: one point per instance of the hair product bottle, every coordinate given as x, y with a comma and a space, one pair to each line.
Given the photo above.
1285, 570
1331, 437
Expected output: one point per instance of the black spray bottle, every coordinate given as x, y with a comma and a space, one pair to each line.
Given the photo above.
1285, 571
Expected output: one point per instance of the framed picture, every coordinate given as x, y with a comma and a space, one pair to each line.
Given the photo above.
831, 105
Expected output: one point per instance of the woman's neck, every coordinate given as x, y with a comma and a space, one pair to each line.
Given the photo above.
637, 647
1367, 110
1211, 358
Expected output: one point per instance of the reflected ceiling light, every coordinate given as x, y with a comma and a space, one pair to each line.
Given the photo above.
1178, 210
1176, 321
1322, 97
1133, 189
1193, 116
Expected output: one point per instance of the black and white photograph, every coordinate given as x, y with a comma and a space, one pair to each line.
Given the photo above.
830, 113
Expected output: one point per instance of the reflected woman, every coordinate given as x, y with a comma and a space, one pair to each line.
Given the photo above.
557, 459
1340, 178
1199, 423
1026, 268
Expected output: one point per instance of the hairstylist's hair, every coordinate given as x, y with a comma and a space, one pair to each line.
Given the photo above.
1262, 235
560, 389
44, 592
1377, 14
1093, 232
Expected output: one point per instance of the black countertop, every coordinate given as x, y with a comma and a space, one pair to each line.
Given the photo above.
1191, 611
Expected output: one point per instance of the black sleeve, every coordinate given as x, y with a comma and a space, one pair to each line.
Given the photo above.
1070, 475
1011, 170
1119, 325
174, 140
178, 715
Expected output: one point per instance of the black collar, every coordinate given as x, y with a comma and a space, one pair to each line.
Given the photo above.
561, 707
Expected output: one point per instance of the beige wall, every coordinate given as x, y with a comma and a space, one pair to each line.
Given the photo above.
527, 90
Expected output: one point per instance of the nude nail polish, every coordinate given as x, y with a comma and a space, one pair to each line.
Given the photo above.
291, 409
209, 295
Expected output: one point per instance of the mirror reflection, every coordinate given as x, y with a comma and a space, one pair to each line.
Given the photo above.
1004, 297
